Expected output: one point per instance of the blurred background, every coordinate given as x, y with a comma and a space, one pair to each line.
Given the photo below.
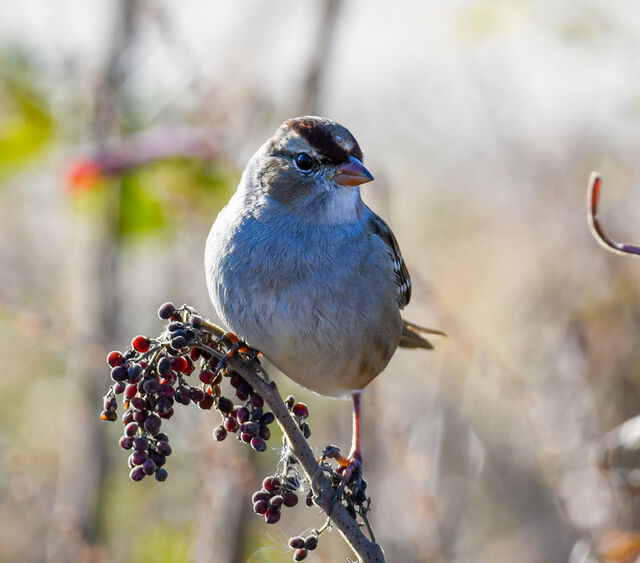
124, 126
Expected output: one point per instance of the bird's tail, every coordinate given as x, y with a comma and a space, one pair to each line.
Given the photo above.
412, 336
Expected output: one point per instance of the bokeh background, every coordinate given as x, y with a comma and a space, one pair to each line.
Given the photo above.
124, 126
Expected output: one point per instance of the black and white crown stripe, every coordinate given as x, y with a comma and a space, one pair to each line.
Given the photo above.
381, 229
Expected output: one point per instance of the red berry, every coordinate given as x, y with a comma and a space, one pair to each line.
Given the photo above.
206, 376
276, 501
190, 367
301, 410
130, 391
242, 414
131, 429
115, 359
246, 438
167, 414
194, 354
179, 364
140, 344
271, 516
231, 424
196, 394
260, 495
260, 507
126, 442
296, 542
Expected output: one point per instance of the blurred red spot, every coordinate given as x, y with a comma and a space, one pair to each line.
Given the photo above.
82, 175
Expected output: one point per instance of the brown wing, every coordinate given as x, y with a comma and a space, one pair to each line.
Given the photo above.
403, 280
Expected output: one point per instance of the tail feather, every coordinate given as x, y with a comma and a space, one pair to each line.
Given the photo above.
411, 336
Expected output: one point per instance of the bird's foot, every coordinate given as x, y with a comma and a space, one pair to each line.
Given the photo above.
235, 348
350, 468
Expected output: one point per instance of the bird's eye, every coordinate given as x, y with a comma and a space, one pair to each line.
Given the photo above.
304, 162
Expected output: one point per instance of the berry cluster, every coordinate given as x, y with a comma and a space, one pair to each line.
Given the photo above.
156, 374
303, 546
276, 492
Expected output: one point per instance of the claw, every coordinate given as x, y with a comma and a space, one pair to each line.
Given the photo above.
351, 471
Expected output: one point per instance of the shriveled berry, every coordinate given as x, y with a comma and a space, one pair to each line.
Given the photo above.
115, 359
290, 401
300, 554
271, 484
267, 418
219, 433
130, 429
119, 373
149, 466
296, 542
300, 410
260, 507
110, 404
161, 474
306, 430
119, 387
276, 501
290, 499
311, 542
126, 442
271, 516
206, 402
164, 366
137, 473
258, 444
166, 310
141, 344
309, 499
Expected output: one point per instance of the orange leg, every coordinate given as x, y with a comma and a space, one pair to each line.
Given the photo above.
354, 461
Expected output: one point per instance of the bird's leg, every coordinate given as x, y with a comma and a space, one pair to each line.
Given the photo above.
353, 463
236, 346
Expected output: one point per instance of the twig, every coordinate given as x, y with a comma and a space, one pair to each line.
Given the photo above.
593, 196
365, 550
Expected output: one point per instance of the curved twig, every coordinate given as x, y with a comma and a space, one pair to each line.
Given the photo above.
593, 197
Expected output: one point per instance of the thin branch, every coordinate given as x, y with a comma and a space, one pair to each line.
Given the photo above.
593, 197
367, 551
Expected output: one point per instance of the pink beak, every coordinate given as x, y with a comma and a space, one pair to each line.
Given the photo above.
353, 173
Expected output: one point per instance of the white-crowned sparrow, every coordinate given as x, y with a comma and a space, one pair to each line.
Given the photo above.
302, 270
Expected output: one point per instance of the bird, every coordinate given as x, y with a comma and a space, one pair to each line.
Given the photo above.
301, 269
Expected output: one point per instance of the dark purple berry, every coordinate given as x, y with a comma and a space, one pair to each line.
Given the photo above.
140, 416
311, 542
290, 499
276, 501
225, 405
235, 379
178, 342
119, 387
206, 402
162, 437
167, 415
257, 400
243, 414
175, 325
151, 385
250, 428
149, 466
306, 430
196, 321
267, 418
264, 432
260, 507
258, 444
163, 405
246, 438
183, 395
110, 404
159, 459
127, 417
241, 395
219, 433
271, 516
161, 474
164, 366
196, 394
164, 448
131, 429
296, 542
206, 376
300, 554
130, 391
152, 424
140, 443
167, 391
138, 403
119, 373
138, 457
166, 310
260, 495
245, 387
137, 473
